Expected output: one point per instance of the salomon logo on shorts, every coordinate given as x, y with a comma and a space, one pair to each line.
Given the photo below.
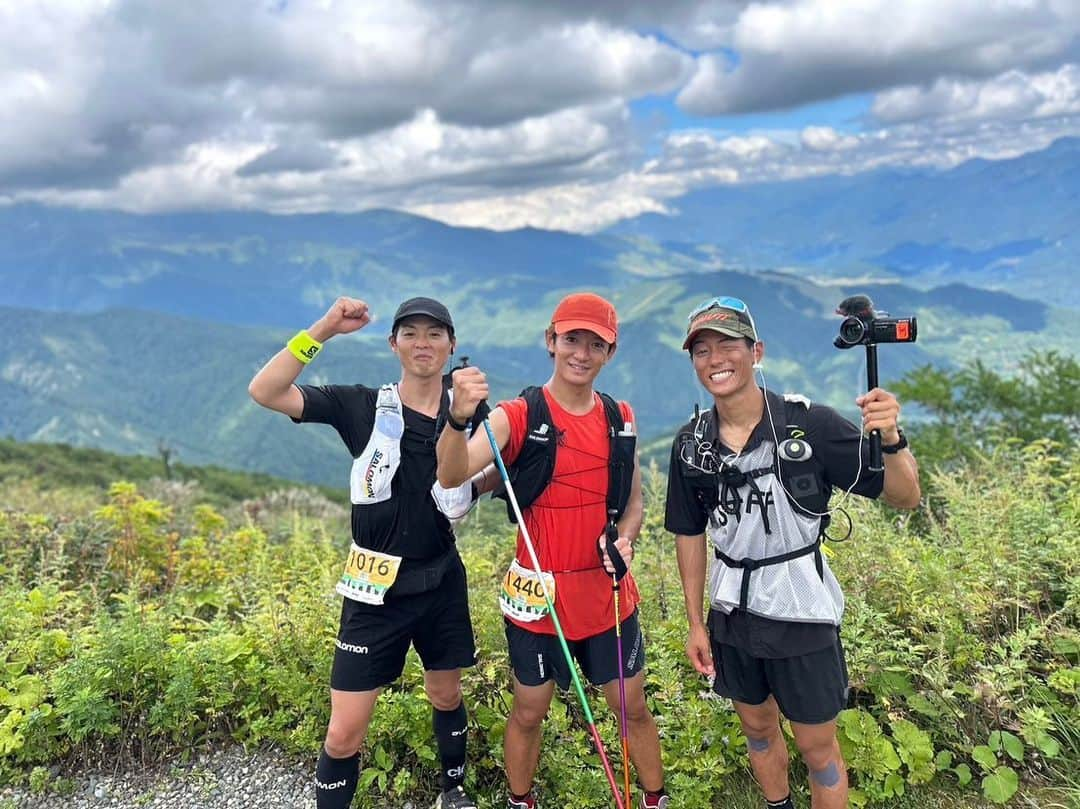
350, 647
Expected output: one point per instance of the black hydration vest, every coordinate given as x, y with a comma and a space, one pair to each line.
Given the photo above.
804, 482
531, 471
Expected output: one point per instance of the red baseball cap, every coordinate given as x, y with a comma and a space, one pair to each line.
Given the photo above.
584, 310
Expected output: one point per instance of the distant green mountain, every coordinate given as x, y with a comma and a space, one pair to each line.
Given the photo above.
126, 380
1005, 224
120, 331
61, 466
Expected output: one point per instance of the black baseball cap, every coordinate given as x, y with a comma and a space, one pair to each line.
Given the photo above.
423, 306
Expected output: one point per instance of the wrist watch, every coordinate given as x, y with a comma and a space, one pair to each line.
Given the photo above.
892, 449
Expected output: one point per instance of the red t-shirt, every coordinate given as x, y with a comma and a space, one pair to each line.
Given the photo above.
569, 516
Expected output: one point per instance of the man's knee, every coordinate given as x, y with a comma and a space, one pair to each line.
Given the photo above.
444, 696
637, 708
343, 738
529, 714
761, 724
823, 760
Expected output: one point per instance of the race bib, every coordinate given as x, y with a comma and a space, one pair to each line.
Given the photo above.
368, 575
522, 595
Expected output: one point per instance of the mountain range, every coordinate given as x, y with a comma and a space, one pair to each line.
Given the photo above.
122, 331
1004, 224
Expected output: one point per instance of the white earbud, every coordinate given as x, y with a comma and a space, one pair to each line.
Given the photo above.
756, 366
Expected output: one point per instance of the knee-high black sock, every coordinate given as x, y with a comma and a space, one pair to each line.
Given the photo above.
451, 729
335, 780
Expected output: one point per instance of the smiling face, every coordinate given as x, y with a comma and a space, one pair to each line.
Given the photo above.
579, 355
423, 345
723, 364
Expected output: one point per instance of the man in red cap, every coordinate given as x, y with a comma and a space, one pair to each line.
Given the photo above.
557, 442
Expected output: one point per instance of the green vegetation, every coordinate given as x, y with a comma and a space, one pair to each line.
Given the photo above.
140, 628
57, 467
975, 408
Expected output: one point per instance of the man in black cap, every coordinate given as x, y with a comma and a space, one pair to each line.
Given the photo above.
403, 581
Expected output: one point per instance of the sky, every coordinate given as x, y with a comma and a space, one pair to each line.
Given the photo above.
563, 114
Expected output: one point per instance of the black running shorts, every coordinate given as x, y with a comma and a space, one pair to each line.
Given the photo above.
809, 688
373, 640
537, 658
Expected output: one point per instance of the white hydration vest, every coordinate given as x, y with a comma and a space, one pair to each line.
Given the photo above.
792, 590
373, 471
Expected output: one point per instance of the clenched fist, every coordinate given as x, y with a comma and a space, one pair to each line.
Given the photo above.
470, 388
346, 315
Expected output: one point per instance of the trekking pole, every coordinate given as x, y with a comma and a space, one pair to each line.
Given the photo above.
554, 618
611, 535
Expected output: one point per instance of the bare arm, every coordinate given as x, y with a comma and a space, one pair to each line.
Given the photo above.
901, 488
881, 411
693, 562
273, 388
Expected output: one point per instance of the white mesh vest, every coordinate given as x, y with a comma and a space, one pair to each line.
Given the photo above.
373, 471
789, 591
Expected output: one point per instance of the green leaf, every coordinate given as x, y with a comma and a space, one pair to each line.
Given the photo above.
890, 683
920, 704
1047, 744
1000, 785
963, 774
367, 778
1003, 740
858, 798
894, 785
382, 759
942, 760
1062, 646
984, 756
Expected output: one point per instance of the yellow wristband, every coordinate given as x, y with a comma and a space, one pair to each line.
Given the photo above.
303, 346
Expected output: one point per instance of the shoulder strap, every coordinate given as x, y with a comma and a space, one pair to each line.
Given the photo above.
805, 481
531, 471
621, 455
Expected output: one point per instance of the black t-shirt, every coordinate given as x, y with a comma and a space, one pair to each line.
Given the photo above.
835, 443
408, 524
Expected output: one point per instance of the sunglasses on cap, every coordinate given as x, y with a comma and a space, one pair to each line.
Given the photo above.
734, 304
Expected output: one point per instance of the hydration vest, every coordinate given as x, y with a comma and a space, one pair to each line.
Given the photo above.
730, 491
531, 471
374, 469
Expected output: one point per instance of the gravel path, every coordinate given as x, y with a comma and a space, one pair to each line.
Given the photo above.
231, 779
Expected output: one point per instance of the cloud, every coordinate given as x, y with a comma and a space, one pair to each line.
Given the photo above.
1013, 94
826, 139
506, 113
107, 88
295, 155
811, 50
691, 161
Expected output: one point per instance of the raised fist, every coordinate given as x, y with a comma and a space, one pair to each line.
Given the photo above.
345, 315
470, 388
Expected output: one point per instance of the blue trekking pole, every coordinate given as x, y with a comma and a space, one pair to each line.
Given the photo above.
555, 618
